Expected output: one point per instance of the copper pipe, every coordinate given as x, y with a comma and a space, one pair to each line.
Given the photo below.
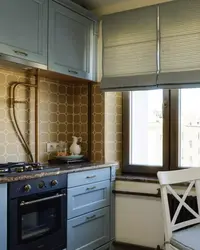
11, 115
17, 125
26, 84
21, 101
36, 115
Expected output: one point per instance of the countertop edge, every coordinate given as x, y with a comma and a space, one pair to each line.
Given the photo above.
7, 179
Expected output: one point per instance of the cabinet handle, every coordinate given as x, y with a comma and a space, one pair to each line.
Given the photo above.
91, 188
21, 53
73, 72
90, 177
90, 217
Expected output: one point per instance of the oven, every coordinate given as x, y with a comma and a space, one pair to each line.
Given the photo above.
37, 214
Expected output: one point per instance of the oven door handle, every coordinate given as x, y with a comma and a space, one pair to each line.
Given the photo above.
23, 203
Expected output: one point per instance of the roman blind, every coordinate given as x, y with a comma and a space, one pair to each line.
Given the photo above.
179, 44
129, 50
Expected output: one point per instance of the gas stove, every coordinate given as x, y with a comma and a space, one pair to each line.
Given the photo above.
23, 167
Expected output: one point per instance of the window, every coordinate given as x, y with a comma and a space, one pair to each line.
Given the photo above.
189, 128
161, 130
146, 133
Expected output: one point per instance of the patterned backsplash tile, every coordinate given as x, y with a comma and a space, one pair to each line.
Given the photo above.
113, 127
63, 112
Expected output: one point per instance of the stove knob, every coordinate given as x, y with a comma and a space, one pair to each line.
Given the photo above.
41, 184
54, 183
27, 188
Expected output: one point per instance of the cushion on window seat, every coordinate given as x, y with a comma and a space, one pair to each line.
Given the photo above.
187, 239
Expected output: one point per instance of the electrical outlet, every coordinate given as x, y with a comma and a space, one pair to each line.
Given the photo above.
52, 147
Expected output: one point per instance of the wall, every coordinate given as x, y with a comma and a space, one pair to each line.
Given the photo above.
63, 112
97, 134
139, 219
126, 5
113, 127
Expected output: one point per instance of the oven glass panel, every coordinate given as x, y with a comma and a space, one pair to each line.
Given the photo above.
39, 219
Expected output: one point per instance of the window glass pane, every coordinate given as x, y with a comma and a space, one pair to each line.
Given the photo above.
146, 128
189, 128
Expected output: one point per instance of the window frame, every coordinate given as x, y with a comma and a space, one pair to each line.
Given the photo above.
174, 130
142, 169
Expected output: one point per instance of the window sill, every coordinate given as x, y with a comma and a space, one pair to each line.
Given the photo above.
146, 179
136, 178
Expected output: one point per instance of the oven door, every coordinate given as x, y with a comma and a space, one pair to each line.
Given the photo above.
38, 222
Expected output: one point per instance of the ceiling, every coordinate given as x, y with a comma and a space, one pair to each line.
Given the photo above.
102, 7
95, 4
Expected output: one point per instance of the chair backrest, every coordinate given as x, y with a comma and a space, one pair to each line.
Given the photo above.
167, 178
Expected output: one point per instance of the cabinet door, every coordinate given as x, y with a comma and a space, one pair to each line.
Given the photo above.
88, 177
88, 198
88, 231
3, 217
70, 38
112, 212
23, 26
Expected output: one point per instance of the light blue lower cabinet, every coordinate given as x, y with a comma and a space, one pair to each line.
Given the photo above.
87, 198
112, 212
3, 217
89, 231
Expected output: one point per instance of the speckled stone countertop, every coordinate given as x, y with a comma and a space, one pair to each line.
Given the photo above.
56, 170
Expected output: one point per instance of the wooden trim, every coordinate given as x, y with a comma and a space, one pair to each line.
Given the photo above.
125, 128
128, 246
174, 129
89, 121
37, 80
138, 193
166, 130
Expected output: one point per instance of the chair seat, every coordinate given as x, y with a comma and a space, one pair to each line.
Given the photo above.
187, 239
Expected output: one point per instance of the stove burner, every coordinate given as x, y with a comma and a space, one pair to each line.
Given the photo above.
40, 167
29, 168
21, 167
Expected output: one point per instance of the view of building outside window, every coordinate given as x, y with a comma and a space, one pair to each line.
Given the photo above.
189, 128
146, 144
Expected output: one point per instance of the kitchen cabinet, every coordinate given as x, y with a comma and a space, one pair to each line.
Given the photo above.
112, 212
3, 217
72, 42
88, 198
112, 204
88, 177
23, 25
89, 231
90, 216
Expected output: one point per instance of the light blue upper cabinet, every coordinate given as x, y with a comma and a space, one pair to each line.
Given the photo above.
3, 216
23, 29
72, 43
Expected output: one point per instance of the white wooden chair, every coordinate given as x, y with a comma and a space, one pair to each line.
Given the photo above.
185, 238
